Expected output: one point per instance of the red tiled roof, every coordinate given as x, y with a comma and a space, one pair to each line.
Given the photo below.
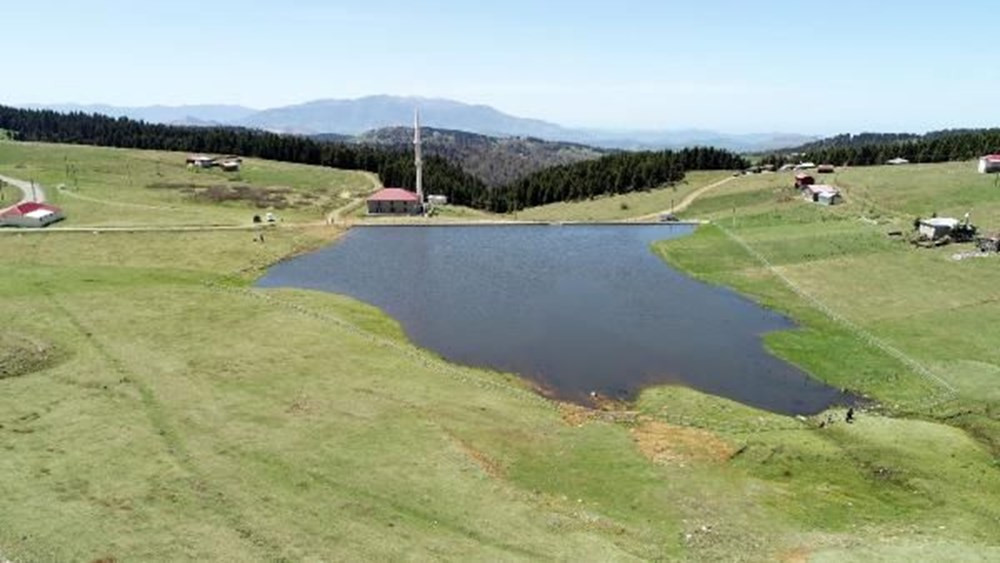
28, 207
992, 157
393, 194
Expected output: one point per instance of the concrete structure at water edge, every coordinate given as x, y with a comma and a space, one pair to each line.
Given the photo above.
989, 164
394, 201
31, 215
397, 201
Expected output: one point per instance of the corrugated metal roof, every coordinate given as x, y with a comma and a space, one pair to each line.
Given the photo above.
393, 194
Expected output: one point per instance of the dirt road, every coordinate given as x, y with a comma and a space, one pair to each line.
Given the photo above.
29, 192
685, 203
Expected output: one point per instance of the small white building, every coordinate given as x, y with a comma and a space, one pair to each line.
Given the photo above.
897, 161
821, 194
200, 161
30, 215
989, 164
937, 227
805, 165
437, 200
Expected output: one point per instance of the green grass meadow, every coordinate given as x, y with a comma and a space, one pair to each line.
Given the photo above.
103, 186
155, 406
624, 206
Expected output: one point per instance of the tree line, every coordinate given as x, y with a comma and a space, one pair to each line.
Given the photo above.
612, 174
870, 149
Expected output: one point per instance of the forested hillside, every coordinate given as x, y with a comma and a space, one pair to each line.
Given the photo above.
495, 160
612, 174
875, 148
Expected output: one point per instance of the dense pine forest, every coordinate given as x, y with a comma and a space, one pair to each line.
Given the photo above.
869, 149
612, 174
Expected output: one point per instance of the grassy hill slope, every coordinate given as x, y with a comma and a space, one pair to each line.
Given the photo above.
105, 186
165, 409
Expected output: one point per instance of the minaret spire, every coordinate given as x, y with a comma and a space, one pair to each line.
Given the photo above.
418, 158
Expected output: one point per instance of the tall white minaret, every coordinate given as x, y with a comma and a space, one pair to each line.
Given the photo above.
418, 158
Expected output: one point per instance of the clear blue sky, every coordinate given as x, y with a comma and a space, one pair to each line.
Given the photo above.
788, 65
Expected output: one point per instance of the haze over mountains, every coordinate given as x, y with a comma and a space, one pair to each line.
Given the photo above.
358, 116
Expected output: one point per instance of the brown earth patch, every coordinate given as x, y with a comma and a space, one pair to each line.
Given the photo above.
675, 445
797, 555
577, 415
21, 356
487, 464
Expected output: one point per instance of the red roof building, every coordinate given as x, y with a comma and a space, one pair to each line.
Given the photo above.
394, 201
31, 214
989, 164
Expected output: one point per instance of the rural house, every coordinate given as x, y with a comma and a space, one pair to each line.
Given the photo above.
825, 169
897, 161
936, 227
803, 180
394, 201
821, 194
989, 164
200, 161
31, 214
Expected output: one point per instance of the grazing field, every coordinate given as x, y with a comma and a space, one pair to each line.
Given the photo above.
153, 405
624, 206
105, 186
913, 328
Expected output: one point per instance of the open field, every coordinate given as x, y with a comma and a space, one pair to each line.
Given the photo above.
623, 206
105, 186
154, 406
941, 314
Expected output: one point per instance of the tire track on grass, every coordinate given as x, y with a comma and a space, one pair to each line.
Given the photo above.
947, 391
213, 500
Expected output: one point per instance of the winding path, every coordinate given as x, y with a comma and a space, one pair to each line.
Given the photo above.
30, 191
686, 202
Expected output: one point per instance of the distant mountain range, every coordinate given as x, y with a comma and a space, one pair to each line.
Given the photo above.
357, 116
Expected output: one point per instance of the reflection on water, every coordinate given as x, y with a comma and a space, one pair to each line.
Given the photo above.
575, 308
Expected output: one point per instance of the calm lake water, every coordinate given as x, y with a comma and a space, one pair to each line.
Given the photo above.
574, 308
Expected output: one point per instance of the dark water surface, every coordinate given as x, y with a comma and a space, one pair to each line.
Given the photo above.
574, 308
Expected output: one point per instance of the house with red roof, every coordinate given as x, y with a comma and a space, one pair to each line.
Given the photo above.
394, 201
989, 164
803, 180
31, 214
